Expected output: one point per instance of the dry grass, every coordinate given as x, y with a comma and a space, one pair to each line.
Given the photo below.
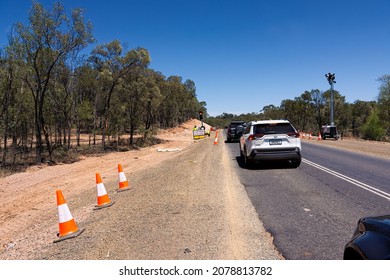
62, 155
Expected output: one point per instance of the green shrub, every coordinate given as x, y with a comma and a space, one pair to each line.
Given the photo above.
373, 128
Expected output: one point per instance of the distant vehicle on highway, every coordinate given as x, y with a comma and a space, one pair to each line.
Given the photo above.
371, 240
270, 140
234, 130
329, 131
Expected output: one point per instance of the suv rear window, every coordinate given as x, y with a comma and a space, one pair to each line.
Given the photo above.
235, 124
273, 128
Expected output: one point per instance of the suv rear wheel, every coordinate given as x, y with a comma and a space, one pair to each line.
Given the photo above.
247, 161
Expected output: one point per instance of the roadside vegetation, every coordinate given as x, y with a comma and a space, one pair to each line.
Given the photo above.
52, 94
362, 119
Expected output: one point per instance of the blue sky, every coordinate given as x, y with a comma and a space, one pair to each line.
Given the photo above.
244, 55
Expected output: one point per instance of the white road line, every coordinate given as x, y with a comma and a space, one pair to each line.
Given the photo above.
350, 180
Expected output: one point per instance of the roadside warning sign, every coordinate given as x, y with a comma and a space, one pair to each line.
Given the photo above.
198, 133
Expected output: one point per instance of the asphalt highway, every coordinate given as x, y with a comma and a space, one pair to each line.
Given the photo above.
313, 210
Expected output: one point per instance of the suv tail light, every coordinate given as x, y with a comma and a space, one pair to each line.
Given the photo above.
254, 136
293, 134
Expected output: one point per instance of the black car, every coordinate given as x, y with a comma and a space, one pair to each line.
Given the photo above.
371, 240
234, 130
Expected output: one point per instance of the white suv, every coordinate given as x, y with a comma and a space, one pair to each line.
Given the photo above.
270, 140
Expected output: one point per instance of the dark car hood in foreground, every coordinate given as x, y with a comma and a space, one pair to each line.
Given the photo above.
379, 224
371, 239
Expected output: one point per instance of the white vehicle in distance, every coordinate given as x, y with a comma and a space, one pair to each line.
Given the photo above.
270, 140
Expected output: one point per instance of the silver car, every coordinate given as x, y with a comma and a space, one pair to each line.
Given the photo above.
267, 140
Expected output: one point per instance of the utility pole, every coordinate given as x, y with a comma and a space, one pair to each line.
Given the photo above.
331, 77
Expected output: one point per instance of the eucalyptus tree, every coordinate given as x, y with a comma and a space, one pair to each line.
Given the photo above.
15, 117
359, 113
7, 98
180, 102
165, 108
318, 104
171, 105
203, 108
292, 112
306, 108
297, 111
142, 98
49, 37
86, 99
131, 96
154, 98
384, 102
271, 112
112, 64
373, 128
344, 118
62, 99
192, 104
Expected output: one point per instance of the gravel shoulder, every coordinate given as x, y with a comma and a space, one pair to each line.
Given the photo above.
183, 204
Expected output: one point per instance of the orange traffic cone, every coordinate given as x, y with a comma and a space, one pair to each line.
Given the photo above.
67, 225
216, 138
319, 136
123, 183
103, 200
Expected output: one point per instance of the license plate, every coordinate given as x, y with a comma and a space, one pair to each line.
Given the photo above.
275, 142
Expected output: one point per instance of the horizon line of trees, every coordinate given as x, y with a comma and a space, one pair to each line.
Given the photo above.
48, 90
311, 110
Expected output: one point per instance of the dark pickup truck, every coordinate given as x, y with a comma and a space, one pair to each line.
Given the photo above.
234, 130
